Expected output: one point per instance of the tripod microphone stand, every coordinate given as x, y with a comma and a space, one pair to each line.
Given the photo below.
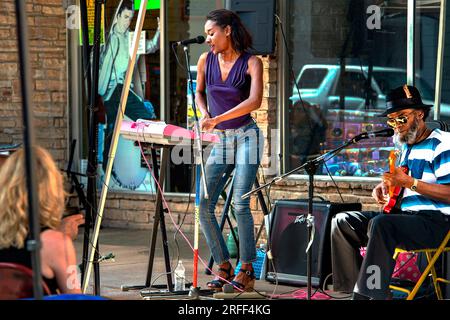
311, 167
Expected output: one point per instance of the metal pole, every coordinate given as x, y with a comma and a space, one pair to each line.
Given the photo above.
33, 242
440, 61
311, 170
198, 137
200, 177
411, 32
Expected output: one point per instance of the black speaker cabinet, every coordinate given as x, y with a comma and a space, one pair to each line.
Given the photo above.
289, 239
258, 17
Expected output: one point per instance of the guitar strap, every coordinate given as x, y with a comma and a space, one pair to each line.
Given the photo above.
397, 206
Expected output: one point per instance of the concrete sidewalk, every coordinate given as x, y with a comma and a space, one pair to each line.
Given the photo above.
130, 265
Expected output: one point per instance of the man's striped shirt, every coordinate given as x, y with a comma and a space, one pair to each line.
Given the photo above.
428, 161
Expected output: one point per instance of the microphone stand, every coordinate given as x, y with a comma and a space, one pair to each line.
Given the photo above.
194, 291
310, 167
196, 124
33, 242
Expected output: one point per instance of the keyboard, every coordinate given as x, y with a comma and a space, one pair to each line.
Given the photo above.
159, 132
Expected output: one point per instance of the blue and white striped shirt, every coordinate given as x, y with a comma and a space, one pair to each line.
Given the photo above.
428, 161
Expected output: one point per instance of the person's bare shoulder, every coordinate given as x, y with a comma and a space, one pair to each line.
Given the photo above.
255, 62
55, 241
202, 60
201, 72
59, 260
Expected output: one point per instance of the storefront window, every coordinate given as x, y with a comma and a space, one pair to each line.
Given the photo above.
346, 56
426, 50
129, 171
186, 20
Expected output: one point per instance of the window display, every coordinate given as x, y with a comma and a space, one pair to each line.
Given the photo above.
344, 67
127, 171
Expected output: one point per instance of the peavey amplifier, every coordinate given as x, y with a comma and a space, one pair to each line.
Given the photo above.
289, 239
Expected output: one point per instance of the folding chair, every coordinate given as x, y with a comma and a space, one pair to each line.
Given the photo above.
432, 256
16, 282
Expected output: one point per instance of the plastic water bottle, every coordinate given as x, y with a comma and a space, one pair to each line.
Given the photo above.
180, 277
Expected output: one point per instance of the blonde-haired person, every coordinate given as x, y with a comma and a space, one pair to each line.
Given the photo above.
58, 258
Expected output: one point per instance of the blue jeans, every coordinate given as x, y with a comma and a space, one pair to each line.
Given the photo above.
239, 149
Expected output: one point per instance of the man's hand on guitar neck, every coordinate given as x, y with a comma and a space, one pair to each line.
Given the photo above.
398, 178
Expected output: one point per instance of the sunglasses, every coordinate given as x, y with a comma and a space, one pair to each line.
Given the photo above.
395, 122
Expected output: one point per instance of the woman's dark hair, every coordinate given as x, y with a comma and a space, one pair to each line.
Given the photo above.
126, 4
241, 39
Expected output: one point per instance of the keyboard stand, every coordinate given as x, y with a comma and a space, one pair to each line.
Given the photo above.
159, 220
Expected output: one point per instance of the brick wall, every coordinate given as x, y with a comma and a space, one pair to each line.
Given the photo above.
47, 44
137, 211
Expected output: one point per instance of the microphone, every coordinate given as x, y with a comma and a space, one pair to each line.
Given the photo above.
374, 134
199, 39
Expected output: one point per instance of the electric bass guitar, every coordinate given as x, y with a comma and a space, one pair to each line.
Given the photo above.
394, 192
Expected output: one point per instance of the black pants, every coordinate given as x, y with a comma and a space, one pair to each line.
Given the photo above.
381, 234
135, 110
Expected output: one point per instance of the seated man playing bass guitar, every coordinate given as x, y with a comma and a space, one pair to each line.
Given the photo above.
420, 218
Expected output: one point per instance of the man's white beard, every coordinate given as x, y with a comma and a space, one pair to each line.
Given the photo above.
409, 137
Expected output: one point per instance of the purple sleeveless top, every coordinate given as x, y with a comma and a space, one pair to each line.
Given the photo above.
225, 95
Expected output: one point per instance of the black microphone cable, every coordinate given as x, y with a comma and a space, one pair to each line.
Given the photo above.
177, 43
174, 44
291, 71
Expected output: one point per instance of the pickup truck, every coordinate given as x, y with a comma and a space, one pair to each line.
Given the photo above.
319, 84
330, 125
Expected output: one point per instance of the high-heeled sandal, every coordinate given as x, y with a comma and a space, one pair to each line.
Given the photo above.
227, 274
249, 281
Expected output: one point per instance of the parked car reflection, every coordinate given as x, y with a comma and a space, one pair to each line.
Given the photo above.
321, 124
320, 84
